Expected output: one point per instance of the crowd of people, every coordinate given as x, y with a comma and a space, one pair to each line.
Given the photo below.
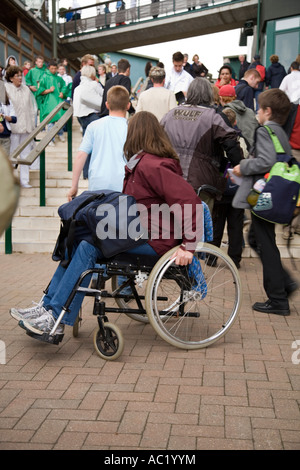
187, 131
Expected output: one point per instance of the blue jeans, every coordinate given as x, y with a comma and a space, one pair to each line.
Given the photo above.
84, 257
60, 132
84, 121
256, 95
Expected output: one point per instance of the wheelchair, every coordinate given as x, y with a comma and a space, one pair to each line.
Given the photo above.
163, 294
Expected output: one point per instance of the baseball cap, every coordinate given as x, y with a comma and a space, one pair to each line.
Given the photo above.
256, 57
227, 90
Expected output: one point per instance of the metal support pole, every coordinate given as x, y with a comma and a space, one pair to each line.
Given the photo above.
70, 151
258, 28
8, 242
42, 179
54, 30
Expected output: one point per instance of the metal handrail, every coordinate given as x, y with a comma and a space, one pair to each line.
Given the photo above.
33, 155
143, 11
39, 151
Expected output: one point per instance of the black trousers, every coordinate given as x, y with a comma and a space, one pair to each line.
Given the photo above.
222, 212
276, 279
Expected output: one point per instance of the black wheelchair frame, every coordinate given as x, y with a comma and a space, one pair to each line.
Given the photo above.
168, 300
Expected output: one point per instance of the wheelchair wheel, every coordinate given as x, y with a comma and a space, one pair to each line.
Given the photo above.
108, 342
121, 302
190, 314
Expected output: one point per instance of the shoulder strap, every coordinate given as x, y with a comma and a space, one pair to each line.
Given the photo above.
276, 142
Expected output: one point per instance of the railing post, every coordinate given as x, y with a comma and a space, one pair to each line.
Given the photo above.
8, 242
42, 179
70, 151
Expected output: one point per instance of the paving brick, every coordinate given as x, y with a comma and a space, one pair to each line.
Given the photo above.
114, 441
238, 427
236, 387
133, 422
223, 444
212, 415
267, 439
49, 431
70, 441
156, 436
32, 419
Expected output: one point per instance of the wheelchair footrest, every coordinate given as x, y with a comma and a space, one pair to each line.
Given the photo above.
46, 338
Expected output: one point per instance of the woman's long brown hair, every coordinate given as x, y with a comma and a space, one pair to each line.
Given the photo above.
145, 133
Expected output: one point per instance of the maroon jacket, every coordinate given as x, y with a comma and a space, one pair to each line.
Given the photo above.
155, 181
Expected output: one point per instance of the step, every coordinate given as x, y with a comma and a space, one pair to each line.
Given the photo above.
36, 211
35, 235
63, 182
30, 247
36, 223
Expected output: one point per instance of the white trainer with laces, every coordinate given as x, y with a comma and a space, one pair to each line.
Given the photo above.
27, 313
42, 324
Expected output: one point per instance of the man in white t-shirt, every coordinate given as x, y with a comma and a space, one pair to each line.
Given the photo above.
178, 80
291, 84
157, 99
104, 139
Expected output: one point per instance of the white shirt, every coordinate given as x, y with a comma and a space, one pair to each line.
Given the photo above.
76, 4
291, 86
178, 81
67, 78
87, 97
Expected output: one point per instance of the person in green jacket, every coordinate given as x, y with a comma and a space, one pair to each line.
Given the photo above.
34, 76
53, 90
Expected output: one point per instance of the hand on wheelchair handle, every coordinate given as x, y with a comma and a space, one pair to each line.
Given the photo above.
183, 257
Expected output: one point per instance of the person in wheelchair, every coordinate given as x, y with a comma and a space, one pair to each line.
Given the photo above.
153, 176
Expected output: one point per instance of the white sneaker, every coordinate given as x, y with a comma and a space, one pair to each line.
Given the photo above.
62, 138
27, 313
51, 144
42, 324
26, 185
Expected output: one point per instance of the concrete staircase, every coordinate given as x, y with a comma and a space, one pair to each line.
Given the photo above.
35, 229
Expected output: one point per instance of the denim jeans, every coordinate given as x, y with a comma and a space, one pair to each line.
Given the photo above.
84, 121
84, 257
256, 95
60, 132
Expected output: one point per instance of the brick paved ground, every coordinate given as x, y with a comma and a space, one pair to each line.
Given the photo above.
239, 394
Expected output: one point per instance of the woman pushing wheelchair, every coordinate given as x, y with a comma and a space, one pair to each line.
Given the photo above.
153, 176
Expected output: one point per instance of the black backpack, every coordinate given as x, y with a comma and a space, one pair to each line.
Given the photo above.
102, 218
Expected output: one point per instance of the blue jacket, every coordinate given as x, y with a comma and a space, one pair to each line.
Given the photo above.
274, 75
245, 93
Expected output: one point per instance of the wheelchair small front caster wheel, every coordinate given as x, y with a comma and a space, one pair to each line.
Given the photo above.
108, 342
